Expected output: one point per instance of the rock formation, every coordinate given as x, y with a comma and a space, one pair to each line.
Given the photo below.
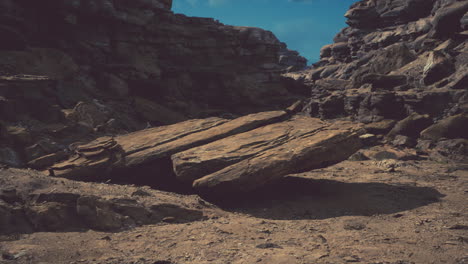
217, 156
76, 70
118, 118
396, 60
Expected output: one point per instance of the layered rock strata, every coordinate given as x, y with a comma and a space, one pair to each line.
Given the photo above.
397, 60
216, 156
77, 70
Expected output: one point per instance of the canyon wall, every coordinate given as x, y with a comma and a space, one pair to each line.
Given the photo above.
74, 70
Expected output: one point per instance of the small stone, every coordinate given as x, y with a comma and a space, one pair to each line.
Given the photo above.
354, 225
268, 245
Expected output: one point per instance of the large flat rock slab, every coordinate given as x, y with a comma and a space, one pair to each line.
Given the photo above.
197, 162
108, 155
233, 127
318, 149
213, 155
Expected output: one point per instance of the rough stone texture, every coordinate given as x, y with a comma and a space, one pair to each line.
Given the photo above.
451, 127
198, 162
31, 202
98, 157
313, 151
78, 70
395, 58
410, 126
195, 148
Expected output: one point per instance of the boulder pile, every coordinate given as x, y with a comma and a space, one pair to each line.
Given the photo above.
397, 61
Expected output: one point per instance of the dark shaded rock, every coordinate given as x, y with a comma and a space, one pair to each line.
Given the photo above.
10, 157
410, 126
464, 22
446, 20
461, 82
379, 106
451, 127
368, 140
19, 135
47, 160
450, 150
268, 245
374, 14
332, 107
155, 113
438, 66
385, 61
41, 148
380, 128
114, 85
404, 141
33, 202
11, 39
387, 82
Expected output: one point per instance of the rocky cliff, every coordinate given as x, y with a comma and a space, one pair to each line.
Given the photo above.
397, 60
70, 70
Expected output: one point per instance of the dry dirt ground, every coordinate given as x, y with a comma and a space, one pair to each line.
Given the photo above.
354, 212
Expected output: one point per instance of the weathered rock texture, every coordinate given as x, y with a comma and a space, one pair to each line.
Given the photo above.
76, 70
31, 202
397, 60
221, 156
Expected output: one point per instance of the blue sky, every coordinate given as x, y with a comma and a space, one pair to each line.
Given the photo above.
305, 25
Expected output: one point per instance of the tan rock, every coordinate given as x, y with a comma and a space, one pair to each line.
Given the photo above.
206, 159
103, 154
236, 126
318, 149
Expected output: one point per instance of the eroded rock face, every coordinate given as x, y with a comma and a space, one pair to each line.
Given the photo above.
78, 70
396, 58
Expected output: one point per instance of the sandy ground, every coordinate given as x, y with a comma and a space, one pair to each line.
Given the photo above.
354, 212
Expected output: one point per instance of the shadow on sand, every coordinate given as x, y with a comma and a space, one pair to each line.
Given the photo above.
303, 198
